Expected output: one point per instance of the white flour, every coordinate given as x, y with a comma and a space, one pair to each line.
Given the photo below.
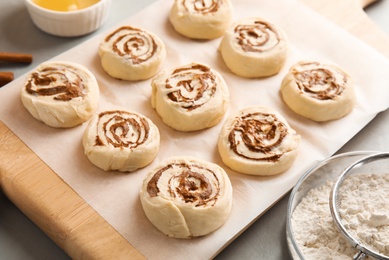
364, 208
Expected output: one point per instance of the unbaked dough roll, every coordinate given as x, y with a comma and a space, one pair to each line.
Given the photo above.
258, 141
131, 53
254, 48
121, 140
60, 94
201, 19
318, 91
185, 197
190, 97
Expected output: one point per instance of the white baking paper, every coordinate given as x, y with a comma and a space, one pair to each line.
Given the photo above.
114, 195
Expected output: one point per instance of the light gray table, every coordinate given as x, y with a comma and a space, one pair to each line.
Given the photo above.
265, 239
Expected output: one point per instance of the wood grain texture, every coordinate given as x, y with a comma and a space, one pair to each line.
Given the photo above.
70, 222
53, 206
349, 15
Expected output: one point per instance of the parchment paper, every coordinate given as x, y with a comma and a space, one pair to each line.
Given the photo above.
114, 195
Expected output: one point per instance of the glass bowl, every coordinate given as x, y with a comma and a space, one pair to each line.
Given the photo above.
317, 176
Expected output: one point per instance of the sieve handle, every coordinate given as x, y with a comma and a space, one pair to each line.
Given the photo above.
359, 256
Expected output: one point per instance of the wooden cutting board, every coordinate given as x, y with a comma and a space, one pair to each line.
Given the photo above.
65, 217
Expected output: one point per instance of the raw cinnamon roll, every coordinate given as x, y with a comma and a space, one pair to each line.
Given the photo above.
258, 141
191, 97
185, 197
318, 91
201, 19
121, 140
131, 53
254, 48
60, 94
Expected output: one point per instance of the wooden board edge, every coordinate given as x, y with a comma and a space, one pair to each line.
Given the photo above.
54, 206
349, 15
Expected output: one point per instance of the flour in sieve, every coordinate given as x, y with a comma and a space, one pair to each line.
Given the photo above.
315, 232
364, 209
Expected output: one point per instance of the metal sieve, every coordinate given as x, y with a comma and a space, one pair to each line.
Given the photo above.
376, 163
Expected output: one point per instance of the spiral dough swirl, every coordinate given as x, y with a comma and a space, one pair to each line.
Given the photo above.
61, 82
202, 6
188, 182
135, 44
191, 86
320, 81
121, 129
256, 136
259, 36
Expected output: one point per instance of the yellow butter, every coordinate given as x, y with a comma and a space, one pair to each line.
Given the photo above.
65, 5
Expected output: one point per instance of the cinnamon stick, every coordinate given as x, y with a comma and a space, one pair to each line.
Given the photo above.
6, 77
15, 57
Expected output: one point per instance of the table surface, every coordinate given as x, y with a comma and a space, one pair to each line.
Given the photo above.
264, 239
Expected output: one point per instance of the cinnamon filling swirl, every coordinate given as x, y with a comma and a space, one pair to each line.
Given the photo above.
191, 86
259, 36
257, 136
189, 182
202, 6
320, 82
135, 44
63, 83
121, 129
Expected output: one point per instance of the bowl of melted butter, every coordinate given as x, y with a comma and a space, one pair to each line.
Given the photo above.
68, 18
